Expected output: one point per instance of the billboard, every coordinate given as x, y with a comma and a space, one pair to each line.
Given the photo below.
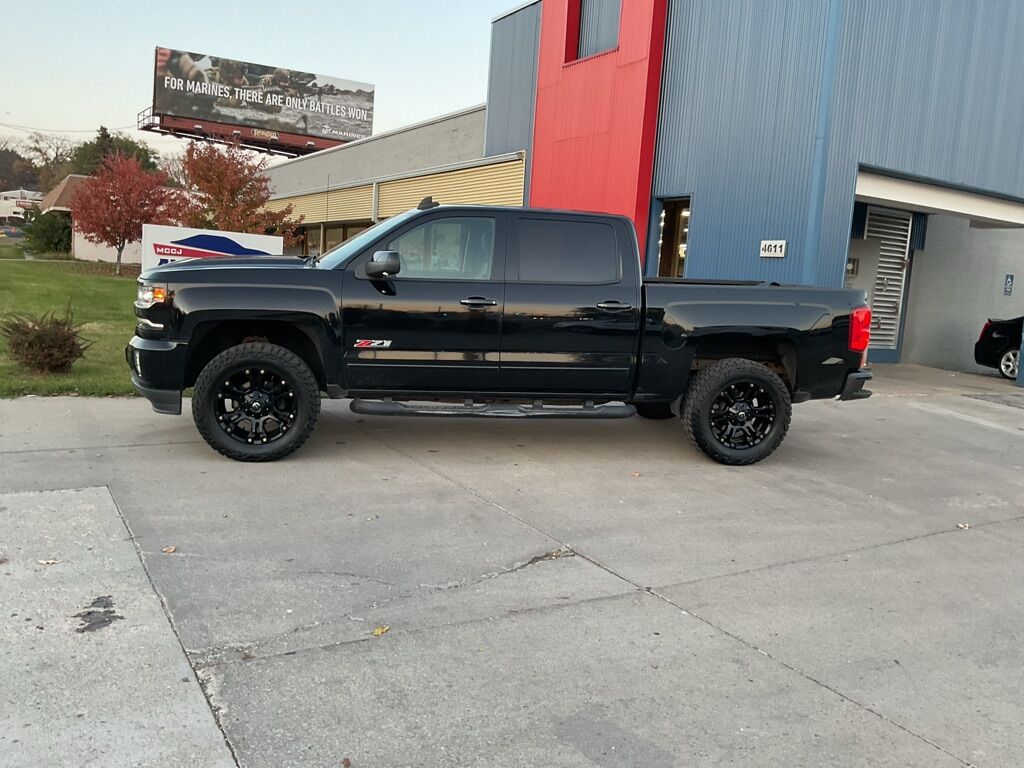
163, 245
198, 86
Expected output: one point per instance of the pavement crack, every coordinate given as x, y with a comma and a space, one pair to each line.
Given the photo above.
810, 678
555, 554
346, 574
215, 710
840, 553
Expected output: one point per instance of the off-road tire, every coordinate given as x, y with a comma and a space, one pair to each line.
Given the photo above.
708, 384
256, 355
655, 411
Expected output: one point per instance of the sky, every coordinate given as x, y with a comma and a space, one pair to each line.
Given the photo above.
68, 66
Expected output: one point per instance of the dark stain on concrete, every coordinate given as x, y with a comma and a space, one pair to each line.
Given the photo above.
98, 614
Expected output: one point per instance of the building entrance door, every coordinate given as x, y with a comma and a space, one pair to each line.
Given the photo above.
891, 228
672, 234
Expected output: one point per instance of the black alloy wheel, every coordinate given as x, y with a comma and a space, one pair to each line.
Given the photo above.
255, 405
742, 415
737, 411
256, 402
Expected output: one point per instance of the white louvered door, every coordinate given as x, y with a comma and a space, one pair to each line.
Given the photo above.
892, 229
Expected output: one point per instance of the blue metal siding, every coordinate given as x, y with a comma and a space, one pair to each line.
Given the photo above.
923, 88
927, 89
599, 26
736, 129
512, 83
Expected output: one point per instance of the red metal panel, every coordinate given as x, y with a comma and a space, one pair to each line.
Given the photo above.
596, 118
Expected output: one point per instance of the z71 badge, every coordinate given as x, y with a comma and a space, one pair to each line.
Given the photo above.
372, 343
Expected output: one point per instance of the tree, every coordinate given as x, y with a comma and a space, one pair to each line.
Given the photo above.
51, 156
16, 170
111, 207
173, 164
89, 156
229, 192
47, 232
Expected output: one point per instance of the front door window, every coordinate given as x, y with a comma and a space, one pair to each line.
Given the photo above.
457, 248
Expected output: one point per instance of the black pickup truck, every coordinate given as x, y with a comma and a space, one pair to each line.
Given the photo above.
487, 311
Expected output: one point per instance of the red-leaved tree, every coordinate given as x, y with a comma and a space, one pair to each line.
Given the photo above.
228, 191
111, 207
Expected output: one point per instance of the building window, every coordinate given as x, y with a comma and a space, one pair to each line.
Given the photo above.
598, 28
673, 232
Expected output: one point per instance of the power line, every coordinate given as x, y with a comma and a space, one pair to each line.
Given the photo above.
30, 129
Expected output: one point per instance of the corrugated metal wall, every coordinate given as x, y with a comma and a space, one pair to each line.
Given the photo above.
350, 204
512, 82
597, 119
736, 129
923, 88
929, 89
599, 26
494, 183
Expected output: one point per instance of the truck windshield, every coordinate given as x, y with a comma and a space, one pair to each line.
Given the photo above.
341, 253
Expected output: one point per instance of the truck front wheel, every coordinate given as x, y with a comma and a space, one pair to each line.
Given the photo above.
737, 411
256, 402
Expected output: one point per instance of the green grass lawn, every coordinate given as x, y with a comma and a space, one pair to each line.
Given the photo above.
9, 251
100, 301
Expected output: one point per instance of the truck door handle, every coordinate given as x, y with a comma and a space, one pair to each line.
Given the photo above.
614, 306
478, 302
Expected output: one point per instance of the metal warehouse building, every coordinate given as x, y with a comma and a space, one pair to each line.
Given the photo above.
873, 143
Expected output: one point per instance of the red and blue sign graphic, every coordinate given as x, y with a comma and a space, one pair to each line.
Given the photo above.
202, 247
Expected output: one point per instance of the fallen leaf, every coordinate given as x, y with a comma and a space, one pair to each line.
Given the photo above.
346, 763
378, 631
47, 562
169, 550
635, 474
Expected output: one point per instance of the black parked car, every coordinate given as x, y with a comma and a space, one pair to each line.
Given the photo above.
999, 346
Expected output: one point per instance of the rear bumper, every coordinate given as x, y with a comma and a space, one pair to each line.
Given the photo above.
158, 370
853, 389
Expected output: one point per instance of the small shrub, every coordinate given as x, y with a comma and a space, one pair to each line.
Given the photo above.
47, 232
49, 343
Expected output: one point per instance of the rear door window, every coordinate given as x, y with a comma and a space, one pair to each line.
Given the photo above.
553, 251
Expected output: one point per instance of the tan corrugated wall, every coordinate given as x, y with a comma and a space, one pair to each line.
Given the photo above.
497, 184
352, 204
494, 184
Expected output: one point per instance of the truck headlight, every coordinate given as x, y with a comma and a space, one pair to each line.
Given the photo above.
148, 295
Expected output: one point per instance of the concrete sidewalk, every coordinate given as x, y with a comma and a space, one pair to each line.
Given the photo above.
93, 672
579, 593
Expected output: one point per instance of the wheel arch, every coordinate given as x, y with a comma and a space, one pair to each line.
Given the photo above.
211, 337
777, 352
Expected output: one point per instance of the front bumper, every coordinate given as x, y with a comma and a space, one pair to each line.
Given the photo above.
853, 389
158, 371
163, 400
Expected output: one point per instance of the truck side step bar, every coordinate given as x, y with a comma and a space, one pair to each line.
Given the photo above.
493, 410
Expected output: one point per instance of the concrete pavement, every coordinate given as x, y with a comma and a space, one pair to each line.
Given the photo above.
581, 594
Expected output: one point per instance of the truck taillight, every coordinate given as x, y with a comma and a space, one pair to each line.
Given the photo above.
860, 329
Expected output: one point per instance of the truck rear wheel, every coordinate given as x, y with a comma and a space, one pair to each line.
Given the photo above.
737, 411
256, 402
